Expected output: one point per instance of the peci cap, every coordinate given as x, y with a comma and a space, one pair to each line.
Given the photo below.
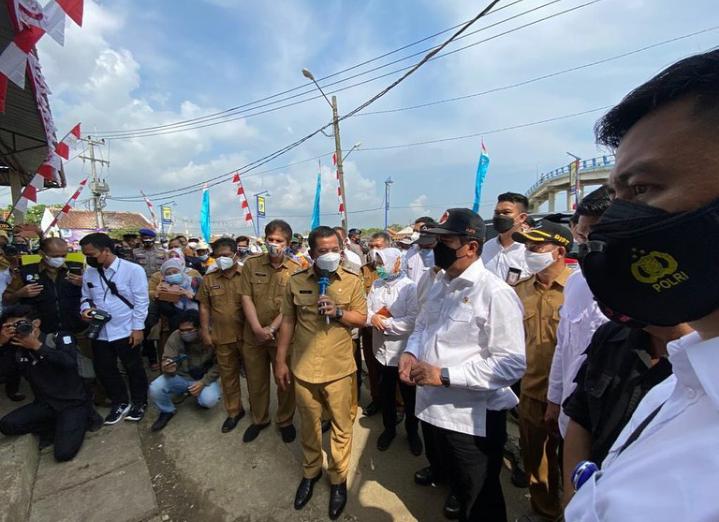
458, 222
147, 232
546, 232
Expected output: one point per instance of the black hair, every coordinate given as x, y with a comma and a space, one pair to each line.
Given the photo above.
575, 218
695, 77
514, 197
424, 219
17, 311
322, 232
384, 236
224, 242
244, 239
595, 203
129, 236
354, 232
47, 241
189, 316
282, 226
98, 240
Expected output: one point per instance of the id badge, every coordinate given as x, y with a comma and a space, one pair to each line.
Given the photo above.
513, 276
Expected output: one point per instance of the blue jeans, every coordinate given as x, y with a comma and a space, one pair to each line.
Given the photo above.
165, 387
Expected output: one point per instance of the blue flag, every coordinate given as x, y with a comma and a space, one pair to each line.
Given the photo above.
482, 168
316, 209
205, 215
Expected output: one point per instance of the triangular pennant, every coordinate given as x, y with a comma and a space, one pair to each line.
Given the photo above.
73, 8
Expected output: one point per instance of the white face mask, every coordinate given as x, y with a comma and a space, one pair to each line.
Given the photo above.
225, 263
274, 250
329, 261
55, 262
538, 261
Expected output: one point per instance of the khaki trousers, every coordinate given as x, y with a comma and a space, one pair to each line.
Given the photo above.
229, 361
338, 399
258, 368
541, 459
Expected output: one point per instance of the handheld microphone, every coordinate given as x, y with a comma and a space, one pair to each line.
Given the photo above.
324, 283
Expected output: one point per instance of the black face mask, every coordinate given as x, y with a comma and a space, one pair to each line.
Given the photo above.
148, 243
92, 261
444, 256
502, 224
645, 265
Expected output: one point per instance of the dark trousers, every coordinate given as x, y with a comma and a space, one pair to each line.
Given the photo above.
105, 355
12, 384
473, 465
66, 427
372, 364
388, 380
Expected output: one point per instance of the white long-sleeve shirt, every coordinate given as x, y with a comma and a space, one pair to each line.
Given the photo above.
499, 260
579, 318
669, 473
418, 261
400, 298
425, 285
472, 325
131, 282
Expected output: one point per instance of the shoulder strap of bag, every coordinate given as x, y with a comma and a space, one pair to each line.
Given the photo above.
113, 289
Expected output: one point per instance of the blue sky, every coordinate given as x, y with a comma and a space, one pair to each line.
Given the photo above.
137, 64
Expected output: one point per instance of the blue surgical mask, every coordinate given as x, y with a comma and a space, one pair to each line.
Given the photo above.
174, 279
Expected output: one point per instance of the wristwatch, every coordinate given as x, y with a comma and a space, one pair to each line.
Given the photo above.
338, 314
444, 377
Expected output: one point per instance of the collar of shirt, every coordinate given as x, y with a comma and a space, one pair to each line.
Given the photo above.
268, 262
112, 269
561, 279
696, 364
470, 276
514, 246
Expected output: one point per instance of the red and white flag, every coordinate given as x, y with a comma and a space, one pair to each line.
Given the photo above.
73, 9
151, 208
66, 209
243, 198
13, 60
63, 147
340, 196
29, 193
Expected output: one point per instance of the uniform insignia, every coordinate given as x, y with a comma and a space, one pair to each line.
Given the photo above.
306, 291
215, 286
260, 274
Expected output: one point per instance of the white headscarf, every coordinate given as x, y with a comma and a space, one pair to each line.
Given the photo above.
391, 258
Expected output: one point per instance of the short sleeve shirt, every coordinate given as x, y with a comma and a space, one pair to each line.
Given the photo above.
220, 292
266, 286
322, 352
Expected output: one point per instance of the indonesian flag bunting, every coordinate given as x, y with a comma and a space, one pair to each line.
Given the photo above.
13, 60
340, 196
29, 193
151, 208
64, 146
243, 198
54, 19
68, 206
73, 8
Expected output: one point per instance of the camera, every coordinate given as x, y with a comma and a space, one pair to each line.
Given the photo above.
98, 319
23, 328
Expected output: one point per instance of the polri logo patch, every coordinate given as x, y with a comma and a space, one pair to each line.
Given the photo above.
658, 269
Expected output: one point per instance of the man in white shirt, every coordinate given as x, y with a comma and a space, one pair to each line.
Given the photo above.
659, 238
501, 255
351, 260
579, 318
119, 288
420, 256
466, 351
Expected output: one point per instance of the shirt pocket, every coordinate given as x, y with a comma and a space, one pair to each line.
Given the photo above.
306, 304
530, 327
218, 296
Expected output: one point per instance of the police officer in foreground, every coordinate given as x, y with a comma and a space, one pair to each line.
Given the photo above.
652, 259
149, 255
323, 366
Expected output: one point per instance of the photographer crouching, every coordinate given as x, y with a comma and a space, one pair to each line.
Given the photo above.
61, 412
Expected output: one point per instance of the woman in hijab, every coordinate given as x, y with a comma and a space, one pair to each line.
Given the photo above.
392, 311
176, 279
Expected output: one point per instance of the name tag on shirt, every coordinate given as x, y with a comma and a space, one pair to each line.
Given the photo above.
513, 276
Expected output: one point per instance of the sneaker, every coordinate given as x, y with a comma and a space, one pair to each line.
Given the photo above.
162, 420
137, 412
117, 413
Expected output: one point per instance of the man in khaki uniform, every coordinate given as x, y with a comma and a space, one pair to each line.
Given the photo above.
322, 361
222, 323
263, 287
149, 256
542, 295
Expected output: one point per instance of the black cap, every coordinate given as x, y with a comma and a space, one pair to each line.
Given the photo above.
546, 232
354, 232
459, 222
426, 239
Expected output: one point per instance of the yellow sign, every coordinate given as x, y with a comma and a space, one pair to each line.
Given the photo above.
166, 214
261, 206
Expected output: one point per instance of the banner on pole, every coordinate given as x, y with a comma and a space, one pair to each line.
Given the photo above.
482, 168
166, 214
260, 206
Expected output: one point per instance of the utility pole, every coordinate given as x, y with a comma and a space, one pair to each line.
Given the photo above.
387, 184
338, 152
99, 188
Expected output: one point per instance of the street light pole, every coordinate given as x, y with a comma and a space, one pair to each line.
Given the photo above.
387, 184
338, 145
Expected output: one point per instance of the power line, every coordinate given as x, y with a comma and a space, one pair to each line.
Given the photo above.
304, 85
255, 164
244, 115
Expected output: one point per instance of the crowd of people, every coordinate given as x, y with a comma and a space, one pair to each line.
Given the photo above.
598, 334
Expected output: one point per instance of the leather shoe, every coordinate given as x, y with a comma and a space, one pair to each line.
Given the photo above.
452, 507
372, 408
425, 477
289, 433
231, 422
162, 420
385, 440
304, 491
16, 396
252, 431
338, 499
415, 444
